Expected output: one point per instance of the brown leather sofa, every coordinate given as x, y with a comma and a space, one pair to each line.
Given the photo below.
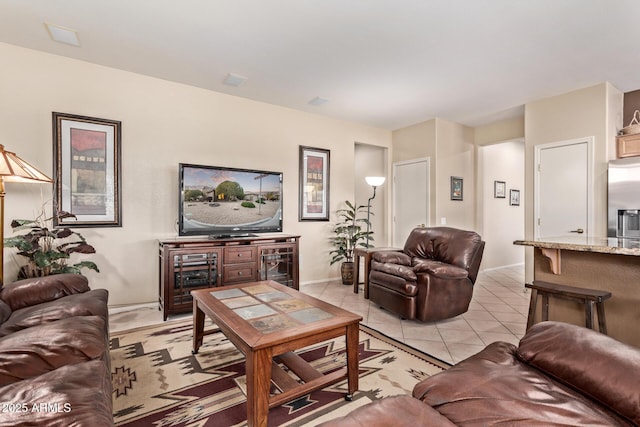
560, 374
432, 278
54, 353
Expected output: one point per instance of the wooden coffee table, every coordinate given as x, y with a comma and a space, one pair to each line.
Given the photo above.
267, 321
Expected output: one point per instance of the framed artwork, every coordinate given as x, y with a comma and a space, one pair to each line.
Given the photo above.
86, 168
314, 184
456, 188
514, 197
499, 189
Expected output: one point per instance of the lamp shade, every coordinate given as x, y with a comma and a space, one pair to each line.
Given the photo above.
375, 181
14, 169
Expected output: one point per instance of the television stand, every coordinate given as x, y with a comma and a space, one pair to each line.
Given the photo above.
230, 236
204, 262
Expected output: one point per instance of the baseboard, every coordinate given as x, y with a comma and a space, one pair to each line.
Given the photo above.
313, 282
504, 266
123, 308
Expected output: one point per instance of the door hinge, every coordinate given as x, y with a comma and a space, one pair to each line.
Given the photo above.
539, 221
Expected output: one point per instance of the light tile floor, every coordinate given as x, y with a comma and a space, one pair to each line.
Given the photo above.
498, 312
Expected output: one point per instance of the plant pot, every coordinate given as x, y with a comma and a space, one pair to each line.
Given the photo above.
346, 270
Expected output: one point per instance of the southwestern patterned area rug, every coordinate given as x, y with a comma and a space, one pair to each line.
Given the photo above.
158, 382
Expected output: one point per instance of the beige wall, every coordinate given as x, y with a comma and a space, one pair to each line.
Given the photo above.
594, 111
501, 223
455, 156
451, 149
502, 131
164, 123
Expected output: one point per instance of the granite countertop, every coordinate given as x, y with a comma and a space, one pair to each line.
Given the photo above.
605, 245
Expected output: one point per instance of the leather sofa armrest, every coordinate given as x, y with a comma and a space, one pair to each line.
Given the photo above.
392, 257
29, 292
397, 411
593, 363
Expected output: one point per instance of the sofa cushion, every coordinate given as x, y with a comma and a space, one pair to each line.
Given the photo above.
396, 411
494, 387
34, 351
439, 269
595, 364
5, 311
73, 395
27, 292
91, 303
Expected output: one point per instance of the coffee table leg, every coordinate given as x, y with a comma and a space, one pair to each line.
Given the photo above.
198, 327
258, 370
352, 338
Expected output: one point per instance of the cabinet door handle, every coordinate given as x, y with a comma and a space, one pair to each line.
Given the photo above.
579, 231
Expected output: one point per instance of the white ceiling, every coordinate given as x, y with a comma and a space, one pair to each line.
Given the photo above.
386, 63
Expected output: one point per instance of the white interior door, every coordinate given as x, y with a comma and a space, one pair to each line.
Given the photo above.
564, 189
410, 198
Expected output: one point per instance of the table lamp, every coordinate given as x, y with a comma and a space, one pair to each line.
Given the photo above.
13, 169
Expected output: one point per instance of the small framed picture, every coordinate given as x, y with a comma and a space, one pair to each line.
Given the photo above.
499, 189
456, 188
514, 197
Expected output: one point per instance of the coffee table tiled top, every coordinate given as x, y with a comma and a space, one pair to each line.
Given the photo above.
271, 311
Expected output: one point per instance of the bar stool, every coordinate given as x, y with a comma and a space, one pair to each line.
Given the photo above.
585, 296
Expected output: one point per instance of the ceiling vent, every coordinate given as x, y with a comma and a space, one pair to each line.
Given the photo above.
317, 101
63, 35
234, 80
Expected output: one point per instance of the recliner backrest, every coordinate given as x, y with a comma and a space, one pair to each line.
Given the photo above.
446, 244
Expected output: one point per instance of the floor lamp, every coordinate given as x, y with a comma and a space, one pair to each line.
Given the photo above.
13, 169
375, 182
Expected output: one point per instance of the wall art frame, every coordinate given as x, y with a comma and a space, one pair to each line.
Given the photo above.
456, 188
514, 197
499, 189
313, 195
87, 170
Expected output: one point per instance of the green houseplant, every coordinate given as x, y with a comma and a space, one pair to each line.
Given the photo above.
48, 250
350, 233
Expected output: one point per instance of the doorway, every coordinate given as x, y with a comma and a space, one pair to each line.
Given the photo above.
564, 188
410, 198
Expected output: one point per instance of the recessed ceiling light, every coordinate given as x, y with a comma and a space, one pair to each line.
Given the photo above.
234, 80
317, 101
63, 35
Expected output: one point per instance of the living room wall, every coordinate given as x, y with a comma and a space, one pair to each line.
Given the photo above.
163, 123
592, 111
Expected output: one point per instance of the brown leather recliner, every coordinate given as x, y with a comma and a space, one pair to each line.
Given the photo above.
432, 278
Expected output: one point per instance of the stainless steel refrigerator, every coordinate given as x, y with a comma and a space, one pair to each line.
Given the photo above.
624, 198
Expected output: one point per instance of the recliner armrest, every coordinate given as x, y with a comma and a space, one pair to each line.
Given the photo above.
29, 292
397, 270
393, 257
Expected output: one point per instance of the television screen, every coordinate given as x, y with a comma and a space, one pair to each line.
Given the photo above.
228, 202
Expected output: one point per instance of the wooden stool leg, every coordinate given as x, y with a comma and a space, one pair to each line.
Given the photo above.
545, 307
532, 308
588, 311
602, 323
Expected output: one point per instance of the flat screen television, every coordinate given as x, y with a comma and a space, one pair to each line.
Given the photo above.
228, 202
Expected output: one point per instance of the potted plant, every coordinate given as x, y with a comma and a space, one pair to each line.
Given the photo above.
350, 233
48, 250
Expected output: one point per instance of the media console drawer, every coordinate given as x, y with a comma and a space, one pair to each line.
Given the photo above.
239, 273
239, 254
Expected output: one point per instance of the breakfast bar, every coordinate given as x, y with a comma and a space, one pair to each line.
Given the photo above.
606, 264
